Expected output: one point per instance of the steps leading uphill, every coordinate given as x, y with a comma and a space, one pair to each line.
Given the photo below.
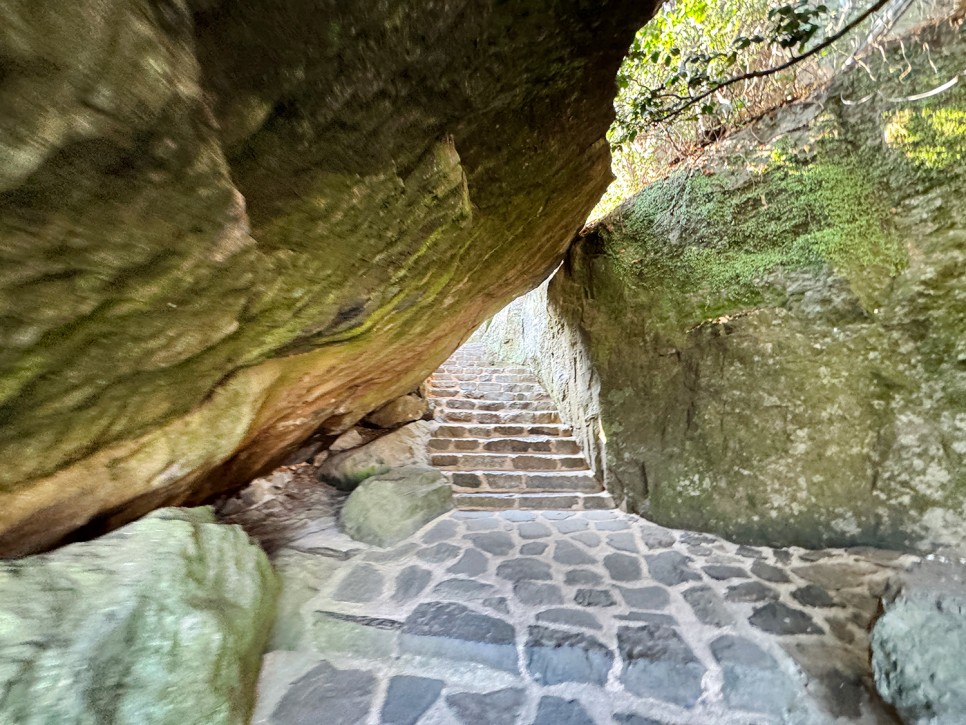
501, 442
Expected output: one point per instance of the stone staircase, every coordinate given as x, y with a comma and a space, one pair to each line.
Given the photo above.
501, 442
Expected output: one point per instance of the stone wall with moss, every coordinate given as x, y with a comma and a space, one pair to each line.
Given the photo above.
779, 331
224, 225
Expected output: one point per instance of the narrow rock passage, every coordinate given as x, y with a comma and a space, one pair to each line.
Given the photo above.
501, 441
561, 617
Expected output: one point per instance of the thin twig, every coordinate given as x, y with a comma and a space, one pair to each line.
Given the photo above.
878, 5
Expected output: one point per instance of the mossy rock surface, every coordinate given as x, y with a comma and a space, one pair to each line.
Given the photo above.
386, 508
226, 224
163, 622
778, 333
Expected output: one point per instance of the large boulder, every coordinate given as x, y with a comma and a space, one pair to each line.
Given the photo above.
776, 335
404, 409
163, 621
224, 225
918, 644
406, 446
387, 508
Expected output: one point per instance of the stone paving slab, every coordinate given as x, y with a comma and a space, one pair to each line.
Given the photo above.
596, 616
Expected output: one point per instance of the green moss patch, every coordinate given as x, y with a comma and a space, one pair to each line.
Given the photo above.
930, 138
709, 241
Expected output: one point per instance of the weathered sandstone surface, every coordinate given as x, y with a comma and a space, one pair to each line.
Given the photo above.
224, 225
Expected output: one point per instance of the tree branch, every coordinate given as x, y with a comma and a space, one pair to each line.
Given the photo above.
875, 7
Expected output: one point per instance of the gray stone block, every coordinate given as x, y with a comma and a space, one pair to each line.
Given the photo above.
655, 538
622, 567
533, 530
769, 573
658, 664
537, 594
750, 592
464, 589
568, 553
410, 582
670, 568
534, 548
452, 631
622, 541
554, 656
493, 542
812, 595
345, 696
360, 584
753, 680
594, 598
492, 708
442, 531
645, 597
438, 553
583, 576
386, 508
779, 618
407, 698
570, 617
472, 563
631, 718
557, 711
720, 572
522, 569
708, 606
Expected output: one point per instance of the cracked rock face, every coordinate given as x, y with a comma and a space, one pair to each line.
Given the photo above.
226, 224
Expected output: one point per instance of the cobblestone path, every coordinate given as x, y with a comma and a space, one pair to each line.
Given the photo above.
557, 617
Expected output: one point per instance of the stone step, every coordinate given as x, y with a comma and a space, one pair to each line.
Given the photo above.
483, 369
471, 368
492, 405
463, 461
495, 377
502, 430
508, 481
531, 417
488, 386
533, 501
499, 387
457, 394
518, 444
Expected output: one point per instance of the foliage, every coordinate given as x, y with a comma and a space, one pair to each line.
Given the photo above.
701, 67
932, 138
686, 80
792, 213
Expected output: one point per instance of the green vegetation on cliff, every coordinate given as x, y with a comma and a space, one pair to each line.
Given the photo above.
709, 241
930, 138
777, 331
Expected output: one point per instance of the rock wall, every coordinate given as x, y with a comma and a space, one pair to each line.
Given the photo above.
778, 331
224, 225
